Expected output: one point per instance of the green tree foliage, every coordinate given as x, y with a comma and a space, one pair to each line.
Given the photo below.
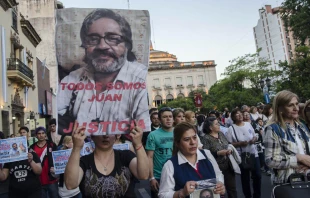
296, 17
295, 76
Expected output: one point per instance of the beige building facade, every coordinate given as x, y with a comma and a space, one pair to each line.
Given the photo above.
18, 85
169, 79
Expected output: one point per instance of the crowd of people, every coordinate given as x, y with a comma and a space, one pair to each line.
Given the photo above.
183, 148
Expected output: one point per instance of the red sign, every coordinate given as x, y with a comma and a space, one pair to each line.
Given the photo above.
198, 100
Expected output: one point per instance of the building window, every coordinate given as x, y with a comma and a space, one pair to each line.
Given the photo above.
158, 100
200, 80
156, 82
14, 19
190, 80
169, 98
178, 81
167, 82
180, 95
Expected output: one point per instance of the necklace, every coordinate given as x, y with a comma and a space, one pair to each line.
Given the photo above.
105, 168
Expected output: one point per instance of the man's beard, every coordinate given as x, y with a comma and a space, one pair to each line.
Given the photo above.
104, 66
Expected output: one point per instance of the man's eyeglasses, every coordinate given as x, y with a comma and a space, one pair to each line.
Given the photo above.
110, 39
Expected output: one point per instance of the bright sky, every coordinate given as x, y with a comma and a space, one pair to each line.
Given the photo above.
196, 30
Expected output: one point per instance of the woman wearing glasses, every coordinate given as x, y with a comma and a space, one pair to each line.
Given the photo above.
194, 164
287, 140
242, 136
216, 142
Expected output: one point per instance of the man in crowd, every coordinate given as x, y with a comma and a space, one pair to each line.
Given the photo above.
24, 131
43, 148
111, 66
155, 124
52, 135
159, 147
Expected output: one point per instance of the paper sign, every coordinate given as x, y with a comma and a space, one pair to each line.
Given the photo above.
60, 159
87, 149
205, 189
124, 146
103, 57
13, 149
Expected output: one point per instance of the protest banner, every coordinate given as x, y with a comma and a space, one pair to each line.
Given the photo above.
103, 59
13, 149
87, 149
60, 159
124, 146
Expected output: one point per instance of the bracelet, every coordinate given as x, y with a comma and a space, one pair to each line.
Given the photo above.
139, 147
151, 178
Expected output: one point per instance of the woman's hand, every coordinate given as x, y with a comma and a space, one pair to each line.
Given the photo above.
303, 159
30, 157
219, 188
78, 136
189, 187
136, 135
154, 185
224, 152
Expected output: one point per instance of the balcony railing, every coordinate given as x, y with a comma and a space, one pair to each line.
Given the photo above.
14, 64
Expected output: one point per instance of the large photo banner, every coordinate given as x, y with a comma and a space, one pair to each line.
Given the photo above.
103, 57
13, 149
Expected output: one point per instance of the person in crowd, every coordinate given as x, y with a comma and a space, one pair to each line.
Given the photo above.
43, 148
200, 119
245, 108
190, 118
228, 121
24, 131
159, 147
267, 112
260, 133
4, 185
63, 192
106, 172
194, 164
242, 136
155, 124
254, 113
223, 129
13, 136
152, 110
23, 177
52, 135
260, 110
306, 114
247, 117
120, 139
287, 139
216, 142
178, 116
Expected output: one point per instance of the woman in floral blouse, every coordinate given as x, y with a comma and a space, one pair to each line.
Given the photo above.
216, 142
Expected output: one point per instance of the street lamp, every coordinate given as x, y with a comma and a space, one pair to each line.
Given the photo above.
265, 85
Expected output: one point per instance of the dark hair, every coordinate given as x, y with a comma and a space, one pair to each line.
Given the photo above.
206, 190
13, 144
178, 132
233, 114
2, 135
176, 112
227, 114
122, 22
52, 121
162, 110
258, 119
200, 119
40, 128
213, 112
266, 109
152, 110
23, 128
206, 125
152, 114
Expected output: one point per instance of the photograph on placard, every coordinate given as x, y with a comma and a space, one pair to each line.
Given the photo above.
103, 57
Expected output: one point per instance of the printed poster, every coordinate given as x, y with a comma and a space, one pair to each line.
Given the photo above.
124, 146
88, 148
103, 57
205, 189
60, 159
13, 149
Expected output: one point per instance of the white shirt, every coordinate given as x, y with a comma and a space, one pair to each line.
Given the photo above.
133, 103
167, 183
244, 133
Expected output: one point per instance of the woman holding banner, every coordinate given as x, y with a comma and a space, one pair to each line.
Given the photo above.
106, 172
24, 180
